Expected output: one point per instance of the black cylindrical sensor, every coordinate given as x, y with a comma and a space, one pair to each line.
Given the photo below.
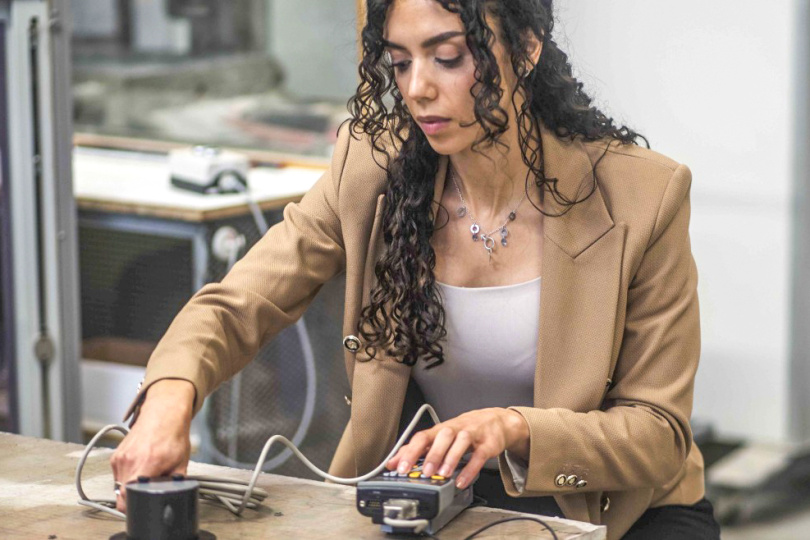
163, 509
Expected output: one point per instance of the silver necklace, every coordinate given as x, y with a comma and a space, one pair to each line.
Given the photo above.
475, 228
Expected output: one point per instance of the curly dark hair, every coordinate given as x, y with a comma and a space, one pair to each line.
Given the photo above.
405, 316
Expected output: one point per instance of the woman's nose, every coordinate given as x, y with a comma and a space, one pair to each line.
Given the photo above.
421, 85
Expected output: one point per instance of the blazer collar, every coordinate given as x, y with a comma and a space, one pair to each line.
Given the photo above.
567, 161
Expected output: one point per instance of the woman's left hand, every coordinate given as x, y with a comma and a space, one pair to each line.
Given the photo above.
485, 432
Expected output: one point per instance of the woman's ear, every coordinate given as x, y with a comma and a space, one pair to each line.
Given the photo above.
534, 49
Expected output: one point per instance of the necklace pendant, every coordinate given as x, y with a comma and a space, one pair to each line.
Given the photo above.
475, 238
474, 228
503, 241
489, 243
504, 232
512, 215
462, 211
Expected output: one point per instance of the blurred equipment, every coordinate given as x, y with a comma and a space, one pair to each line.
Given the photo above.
207, 169
215, 26
227, 244
758, 482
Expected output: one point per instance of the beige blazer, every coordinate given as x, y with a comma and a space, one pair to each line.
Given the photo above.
619, 330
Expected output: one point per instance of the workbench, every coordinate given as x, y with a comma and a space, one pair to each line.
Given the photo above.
38, 501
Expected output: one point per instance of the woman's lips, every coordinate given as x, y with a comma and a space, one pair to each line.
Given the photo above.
431, 125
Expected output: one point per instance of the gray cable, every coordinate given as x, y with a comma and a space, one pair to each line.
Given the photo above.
239, 184
306, 418
235, 383
105, 505
227, 491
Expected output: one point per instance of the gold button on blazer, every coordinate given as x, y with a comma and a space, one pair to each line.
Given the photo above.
619, 337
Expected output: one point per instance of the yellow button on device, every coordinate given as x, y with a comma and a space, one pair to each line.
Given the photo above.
437, 477
415, 474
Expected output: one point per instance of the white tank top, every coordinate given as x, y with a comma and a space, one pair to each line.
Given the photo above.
490, 351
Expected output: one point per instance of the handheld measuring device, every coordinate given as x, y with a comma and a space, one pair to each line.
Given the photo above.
412, 502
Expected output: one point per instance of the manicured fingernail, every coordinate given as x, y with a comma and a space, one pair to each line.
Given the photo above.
403, 467
444, 470
428, 469
461, 482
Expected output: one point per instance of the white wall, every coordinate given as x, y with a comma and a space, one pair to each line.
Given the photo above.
711, 85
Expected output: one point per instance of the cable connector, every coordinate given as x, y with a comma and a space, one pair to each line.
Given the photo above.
400, 508
401, 514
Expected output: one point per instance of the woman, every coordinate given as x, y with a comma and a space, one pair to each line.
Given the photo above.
490, 173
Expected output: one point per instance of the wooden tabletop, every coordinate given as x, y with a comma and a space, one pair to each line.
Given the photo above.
38, 501
132, 183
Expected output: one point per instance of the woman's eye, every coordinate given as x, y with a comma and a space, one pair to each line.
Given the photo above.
450, 62
446, 62
401, 66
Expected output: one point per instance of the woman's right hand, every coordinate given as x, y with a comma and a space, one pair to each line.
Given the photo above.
158, 444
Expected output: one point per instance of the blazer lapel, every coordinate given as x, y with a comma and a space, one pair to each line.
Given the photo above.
582, 260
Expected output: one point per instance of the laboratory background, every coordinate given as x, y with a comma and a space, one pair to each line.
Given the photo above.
99, 249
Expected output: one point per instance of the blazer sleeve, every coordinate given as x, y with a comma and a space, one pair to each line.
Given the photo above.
641, 436
223, 326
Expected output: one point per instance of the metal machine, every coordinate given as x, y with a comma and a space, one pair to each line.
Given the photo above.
40, 320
